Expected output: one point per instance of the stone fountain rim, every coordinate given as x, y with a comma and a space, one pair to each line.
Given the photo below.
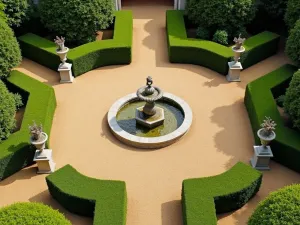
149, 142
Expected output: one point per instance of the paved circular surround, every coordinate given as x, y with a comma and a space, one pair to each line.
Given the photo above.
152, 142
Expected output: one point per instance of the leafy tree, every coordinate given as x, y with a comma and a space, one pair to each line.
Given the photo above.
274, 8
292, 13
292, 47
76, 20
31, 213
291, 102
8, 107
221, 14
280, 207
16, 11
10, 53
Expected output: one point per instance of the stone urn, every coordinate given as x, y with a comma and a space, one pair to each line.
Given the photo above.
63, 55
265, 139
40, 143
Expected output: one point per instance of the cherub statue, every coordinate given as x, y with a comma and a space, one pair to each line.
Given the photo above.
239, 42
60, 42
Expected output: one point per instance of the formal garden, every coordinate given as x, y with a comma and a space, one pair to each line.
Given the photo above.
212, 136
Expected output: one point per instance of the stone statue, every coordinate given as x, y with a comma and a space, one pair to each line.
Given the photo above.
239, 42
60, 42
149, 81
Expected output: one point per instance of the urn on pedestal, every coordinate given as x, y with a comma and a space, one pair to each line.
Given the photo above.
42, 156
235, 66
64, 68
263, 153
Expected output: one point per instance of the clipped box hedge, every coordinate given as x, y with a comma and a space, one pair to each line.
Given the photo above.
259, 101
88, 56
105, 200
16, 152
210, 54
202, 198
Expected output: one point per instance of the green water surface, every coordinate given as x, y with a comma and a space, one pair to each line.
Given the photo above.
173, 119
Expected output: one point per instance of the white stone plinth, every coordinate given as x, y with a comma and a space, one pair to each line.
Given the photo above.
65, 72
44, 161
234, 71
261, 157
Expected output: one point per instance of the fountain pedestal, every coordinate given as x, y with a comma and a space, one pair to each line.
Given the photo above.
150, 121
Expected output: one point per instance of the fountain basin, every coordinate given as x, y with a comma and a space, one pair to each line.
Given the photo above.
149, 142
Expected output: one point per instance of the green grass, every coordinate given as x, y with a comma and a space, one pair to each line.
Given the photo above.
259, 101
104, 200
210, 54
88, 56
16, 152
31, 213
202, 198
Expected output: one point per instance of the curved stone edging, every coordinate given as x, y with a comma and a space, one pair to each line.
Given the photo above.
143, 142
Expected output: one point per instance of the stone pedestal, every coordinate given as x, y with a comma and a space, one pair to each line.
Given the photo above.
261, 157
235, 66
150, 121
234, 71
65, 73
44, 161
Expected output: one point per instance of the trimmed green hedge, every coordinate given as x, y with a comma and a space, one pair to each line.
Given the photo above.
16, 152
210, 54
259, 101
202, 198
88, 56
31, 213
104, 200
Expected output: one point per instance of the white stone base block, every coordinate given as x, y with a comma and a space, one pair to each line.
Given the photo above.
65, 72
44, 161
234, 71
261, 157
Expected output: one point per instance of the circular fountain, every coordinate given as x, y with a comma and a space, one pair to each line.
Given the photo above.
149, 118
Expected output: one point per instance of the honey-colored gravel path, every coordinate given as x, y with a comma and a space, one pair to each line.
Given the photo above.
219, 137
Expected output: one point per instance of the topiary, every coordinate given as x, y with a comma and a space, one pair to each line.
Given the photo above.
2, 14
292, 13
220, 13
30, 213
221, 37
274, 8
10, 53
292, 47
8, 106
15, 11
279, 208
76, 20
202, 33
291, 103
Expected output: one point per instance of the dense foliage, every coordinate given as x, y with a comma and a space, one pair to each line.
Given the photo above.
274, 8
76, 20
292, 100
292, 13
10, 54
16, 11
280, 207
8, 106
221, 14
2, 14
31, 213
292, 47
202, 33
221, 37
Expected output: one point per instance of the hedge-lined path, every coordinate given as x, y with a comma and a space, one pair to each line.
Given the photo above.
220, 134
